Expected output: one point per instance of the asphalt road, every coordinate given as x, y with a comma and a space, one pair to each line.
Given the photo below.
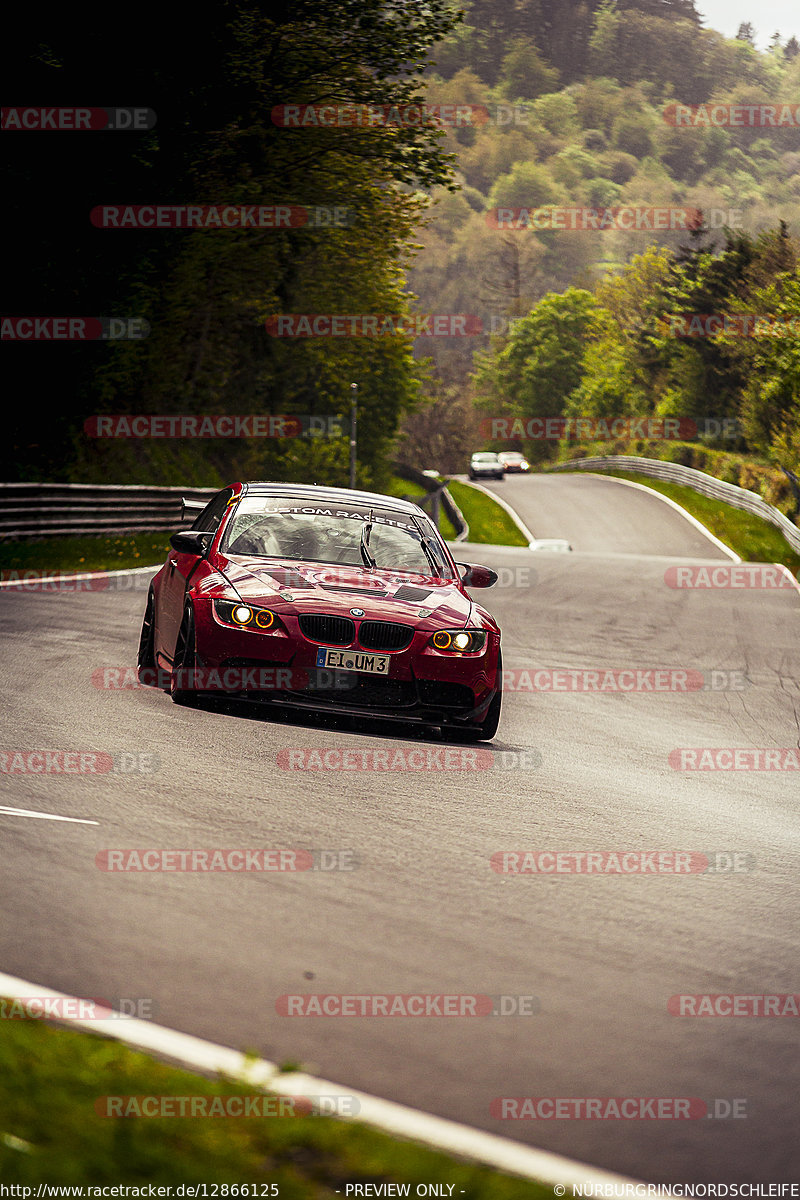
601, 515
424, 911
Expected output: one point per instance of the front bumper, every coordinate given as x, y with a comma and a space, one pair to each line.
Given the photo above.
423, 685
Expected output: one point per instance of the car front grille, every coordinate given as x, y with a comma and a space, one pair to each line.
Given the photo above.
351, 688
384, 635
445, 695
332, 631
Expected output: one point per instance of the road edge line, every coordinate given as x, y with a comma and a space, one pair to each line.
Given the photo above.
439, 1133
520, 524
70, 576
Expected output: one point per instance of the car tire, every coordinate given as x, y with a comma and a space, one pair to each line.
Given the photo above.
184, 662
146, 658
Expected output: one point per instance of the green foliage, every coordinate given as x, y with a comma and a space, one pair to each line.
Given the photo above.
207, 294
535, 370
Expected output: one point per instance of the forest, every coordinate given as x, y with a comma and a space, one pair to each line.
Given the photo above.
614, 169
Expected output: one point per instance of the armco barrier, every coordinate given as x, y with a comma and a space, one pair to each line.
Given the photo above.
433, 487
74, 509
706, 485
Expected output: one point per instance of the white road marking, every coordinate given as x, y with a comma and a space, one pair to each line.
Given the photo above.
515, 517
31, 577
5, 811
788, 575
397, 1119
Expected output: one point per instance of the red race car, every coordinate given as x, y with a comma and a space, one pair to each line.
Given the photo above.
324, 599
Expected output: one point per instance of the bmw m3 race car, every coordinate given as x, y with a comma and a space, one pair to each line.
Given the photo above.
323, 599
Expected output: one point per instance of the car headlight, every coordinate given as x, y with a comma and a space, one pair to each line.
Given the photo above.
459, 641
245, 616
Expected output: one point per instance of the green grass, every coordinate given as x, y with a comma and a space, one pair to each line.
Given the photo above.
50, 1131
753, 539
113, 553
487, 521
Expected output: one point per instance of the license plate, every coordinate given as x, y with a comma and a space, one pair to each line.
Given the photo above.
353, 660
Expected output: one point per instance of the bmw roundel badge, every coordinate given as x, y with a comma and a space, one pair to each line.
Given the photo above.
356, 612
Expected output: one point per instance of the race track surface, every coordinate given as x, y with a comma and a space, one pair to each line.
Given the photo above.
424, 911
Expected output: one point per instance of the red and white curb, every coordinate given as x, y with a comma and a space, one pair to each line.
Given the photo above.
449, 1137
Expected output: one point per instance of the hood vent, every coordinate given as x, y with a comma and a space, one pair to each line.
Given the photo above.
412, 594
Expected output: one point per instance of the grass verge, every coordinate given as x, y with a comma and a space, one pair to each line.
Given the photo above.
487, 521
753, 539
51, 1132
112, 553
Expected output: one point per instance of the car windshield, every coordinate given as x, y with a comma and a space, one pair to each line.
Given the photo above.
485, 457
268, 527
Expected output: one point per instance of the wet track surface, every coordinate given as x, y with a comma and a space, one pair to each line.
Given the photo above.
423, 911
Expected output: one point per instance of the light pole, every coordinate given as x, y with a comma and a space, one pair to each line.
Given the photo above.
353, 430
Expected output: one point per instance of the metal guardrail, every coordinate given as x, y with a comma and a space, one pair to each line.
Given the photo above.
73, 509
438, 497
706, 485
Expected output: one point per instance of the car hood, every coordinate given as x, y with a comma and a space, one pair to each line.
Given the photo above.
288, 585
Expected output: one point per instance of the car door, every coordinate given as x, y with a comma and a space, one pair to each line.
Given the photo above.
179, 570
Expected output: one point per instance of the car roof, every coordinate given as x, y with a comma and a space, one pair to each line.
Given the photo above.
331, 495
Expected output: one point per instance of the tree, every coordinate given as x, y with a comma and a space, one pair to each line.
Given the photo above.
746, 33
533, 372
207, 293
524, 74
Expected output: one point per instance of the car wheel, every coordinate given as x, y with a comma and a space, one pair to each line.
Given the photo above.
184, 662
146, 660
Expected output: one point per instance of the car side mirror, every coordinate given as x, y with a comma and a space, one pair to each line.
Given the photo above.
190, 541
477, 576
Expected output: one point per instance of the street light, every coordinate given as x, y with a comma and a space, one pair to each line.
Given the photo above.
353, 429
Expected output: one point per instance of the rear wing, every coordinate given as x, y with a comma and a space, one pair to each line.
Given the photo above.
190, 507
